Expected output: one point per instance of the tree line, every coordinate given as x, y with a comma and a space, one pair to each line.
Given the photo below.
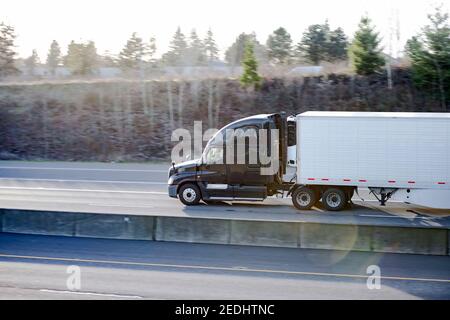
318, 44
428, 52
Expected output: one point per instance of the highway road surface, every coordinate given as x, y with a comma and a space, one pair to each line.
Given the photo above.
142, 189
35, 267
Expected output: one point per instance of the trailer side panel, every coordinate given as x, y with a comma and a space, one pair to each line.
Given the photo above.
395, 150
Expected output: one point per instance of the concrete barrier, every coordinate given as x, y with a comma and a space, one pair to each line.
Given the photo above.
265, 233
394, 239
410, 240
114, 226
39, 222
334, 236
192, 230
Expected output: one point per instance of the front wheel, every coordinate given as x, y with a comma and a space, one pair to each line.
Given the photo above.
189, 194
334, 199
304, 198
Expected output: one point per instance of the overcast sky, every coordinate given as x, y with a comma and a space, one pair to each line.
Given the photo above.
110, 22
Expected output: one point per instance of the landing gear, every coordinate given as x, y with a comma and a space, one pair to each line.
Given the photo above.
382, 194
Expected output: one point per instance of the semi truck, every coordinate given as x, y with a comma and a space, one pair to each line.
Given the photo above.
398, 156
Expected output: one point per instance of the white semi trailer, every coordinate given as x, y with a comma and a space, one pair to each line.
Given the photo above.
396, 155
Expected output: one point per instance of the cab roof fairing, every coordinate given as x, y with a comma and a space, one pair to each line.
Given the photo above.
252, 120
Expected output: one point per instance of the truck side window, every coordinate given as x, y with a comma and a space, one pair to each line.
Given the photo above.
214, 156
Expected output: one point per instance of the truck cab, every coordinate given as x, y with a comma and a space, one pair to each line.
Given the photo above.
214, 177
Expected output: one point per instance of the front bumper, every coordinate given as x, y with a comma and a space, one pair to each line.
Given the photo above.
173, 191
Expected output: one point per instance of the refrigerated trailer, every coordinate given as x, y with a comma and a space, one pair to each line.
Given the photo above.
396, 155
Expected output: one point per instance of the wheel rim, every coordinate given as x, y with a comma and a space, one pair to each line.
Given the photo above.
189, 194
303, 199
333, 200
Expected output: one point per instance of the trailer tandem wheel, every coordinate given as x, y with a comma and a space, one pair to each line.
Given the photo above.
334, 199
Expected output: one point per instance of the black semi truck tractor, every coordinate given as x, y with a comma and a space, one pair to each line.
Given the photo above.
211, 178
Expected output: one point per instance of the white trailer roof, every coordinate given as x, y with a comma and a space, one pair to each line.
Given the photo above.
349, 114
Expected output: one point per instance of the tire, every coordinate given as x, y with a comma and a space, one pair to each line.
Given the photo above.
304, 198
334, 199
189, 194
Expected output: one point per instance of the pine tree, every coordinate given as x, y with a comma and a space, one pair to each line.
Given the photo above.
7, 53
81, 58
73, 59
235, 53
90, 58
365, 51
337, 45
54, 57
430, 57
195, 54
151, 50
133, 54
176, 56
279, 46
250, 76
107, 60
319, 43
210, 47
31, 63
314, 44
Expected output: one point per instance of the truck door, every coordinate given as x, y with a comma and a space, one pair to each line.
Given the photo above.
244, 173
212, 175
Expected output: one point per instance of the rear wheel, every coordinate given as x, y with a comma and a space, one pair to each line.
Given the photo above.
334, 199
304, 198
189, 194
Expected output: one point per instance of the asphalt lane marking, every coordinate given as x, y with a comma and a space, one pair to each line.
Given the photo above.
384, 216
117, 205
91, 293
178, 266
94, 181
85, 169
83, 190
54, 201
